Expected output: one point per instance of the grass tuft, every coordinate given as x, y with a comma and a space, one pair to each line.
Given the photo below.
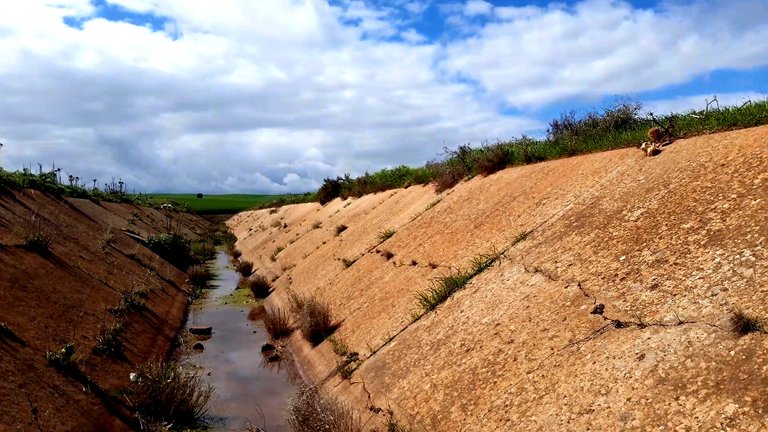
163, 393
310, 411
107, 341
276, 252
199, 275
338, 345
340, 229
445, 286
259, 286
202, 251
295, 302
244, 267
277, 323
743, 323
130, 300
39, 242
385, 235
63, 359
314, 320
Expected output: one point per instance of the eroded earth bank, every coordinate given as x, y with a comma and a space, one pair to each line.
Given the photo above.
609, 307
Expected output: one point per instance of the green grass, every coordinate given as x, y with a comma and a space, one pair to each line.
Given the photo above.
239, 297
385, 235
619, 126
443, 287
227, 204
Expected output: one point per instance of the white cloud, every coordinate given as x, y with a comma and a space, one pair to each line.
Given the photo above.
271, 98
532, 56
477, 7
416, 7
413, 36
274, 96
140, 6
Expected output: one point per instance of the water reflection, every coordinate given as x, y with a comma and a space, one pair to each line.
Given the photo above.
248, 387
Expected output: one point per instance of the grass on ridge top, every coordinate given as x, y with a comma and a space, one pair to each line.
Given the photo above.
222, 204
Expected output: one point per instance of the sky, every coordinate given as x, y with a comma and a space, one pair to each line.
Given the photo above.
273, 96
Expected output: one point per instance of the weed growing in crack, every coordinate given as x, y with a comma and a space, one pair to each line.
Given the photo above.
130, 300
107, 340
522, 236
385, 235
347, 262
338, 345
340, 229
743, 323
393, 425
346, 370
276, 252
445, 286
108, 239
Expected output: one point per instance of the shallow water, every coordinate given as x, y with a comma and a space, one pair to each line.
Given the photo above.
247, 387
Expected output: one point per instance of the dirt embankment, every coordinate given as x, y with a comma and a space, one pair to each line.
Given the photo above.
612, 314
50, 299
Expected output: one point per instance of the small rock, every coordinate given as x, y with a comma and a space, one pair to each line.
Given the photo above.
201, 330
198, 346
267, 347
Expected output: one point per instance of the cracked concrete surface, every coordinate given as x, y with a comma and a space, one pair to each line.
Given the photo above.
611, 315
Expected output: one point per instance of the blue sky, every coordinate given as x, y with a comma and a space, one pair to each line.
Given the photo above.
273, 96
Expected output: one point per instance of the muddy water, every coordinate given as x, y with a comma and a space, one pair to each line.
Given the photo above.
248, 388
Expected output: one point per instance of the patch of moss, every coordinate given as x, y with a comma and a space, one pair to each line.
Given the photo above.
239, 297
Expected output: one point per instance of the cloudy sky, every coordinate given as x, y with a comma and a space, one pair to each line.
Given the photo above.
272, 96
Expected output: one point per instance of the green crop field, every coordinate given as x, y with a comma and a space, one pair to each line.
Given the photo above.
219, 204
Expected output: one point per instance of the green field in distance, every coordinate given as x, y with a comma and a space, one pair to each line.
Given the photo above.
219, 204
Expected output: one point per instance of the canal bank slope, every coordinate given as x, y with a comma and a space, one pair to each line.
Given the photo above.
609, 308
63, 295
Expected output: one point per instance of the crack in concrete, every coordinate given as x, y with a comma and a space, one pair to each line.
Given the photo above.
599, 308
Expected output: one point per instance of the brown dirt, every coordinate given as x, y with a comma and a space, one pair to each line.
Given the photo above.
48, 300
669, 244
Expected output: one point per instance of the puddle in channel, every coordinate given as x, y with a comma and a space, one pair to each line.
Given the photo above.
248, 388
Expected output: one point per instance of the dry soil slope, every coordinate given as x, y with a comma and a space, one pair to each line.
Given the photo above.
670, 245
50, 299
